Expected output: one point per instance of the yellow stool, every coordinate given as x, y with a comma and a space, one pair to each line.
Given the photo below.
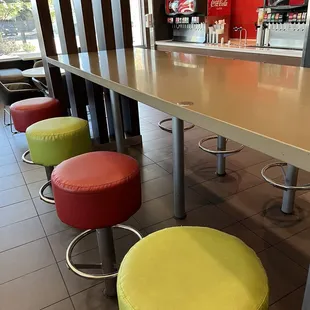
54, 140
191, 268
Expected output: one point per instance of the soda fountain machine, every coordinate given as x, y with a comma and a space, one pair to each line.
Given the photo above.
282, 24
198, 21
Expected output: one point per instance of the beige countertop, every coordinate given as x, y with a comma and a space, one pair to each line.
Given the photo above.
233, 48
263, 106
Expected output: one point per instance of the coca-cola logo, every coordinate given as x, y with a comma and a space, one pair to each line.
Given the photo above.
218, 3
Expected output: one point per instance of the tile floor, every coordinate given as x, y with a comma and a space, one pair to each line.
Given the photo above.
33, 274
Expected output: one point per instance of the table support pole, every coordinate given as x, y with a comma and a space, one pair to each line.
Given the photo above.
289, 195
178, 168
221, 160
117, 119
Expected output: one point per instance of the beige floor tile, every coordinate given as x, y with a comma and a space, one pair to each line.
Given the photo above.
34, 291
25, 259
62, 305
52, 224
35, 175
151, 172
7, 151
156, 188
297, 248
153, 135
11, 181
94, 299
220, 188
7, 159
74, 283
142, 159
272, 173
248, 157
20, 233
59, 243
291, 301
274, 226
160, 209
27, 167
43, 207
14, 195
207, 216
17, 212
283, 274
9, 169
249, 238
251, 201
156, 144
34, 188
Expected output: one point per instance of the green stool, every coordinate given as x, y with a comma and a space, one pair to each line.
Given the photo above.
54, 140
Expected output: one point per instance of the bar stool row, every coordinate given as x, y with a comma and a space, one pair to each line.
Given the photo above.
176, 268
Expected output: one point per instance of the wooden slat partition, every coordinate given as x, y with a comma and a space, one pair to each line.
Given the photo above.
76, 85
104, 20
45, 32
101, 25
122, 23
86, 26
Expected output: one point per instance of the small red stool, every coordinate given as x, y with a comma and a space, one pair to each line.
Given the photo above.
29, 111
97, 191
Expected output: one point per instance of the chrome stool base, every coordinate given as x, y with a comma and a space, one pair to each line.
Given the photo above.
25, 160
8, 112
160, 125
290, 187
221, 152
107, 257
43, 197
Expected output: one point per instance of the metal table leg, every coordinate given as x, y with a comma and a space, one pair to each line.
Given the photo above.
117, 119
306, 302
221, 160
107, 258
289, 195
178, 168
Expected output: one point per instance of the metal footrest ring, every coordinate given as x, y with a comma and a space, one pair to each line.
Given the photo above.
278, 185
160, 125
216, 152
46, 199
71, 266
25, 160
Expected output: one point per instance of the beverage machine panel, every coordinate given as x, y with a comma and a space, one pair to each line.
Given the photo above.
282, 24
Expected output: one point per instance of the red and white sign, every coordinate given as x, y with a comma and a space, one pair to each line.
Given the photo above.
219, 7
181, 6
298, 2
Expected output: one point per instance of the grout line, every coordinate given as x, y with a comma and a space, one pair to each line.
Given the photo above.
293, 291
57, 303
27, 274
15, 247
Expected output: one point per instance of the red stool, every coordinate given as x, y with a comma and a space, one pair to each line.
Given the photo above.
29, 111
97, 191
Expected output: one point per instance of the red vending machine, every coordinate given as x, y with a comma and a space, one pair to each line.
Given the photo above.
218, 20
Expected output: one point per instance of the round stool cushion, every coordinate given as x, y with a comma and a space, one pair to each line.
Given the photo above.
190, 268
56, 139
29, 111
97, 190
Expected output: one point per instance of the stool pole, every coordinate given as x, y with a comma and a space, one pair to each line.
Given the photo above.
178, 168
107, 257
118, 123
221, 160
48, 171
289, 195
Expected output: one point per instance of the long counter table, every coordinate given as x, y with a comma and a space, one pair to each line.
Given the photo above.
251, 53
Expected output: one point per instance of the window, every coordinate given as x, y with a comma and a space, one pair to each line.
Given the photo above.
17, 29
